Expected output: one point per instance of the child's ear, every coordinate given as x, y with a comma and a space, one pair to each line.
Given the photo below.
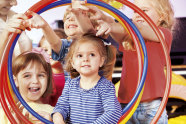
16, 81
72, 63
102, 61
162, 17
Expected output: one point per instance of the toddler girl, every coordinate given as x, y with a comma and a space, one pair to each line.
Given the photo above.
88, 97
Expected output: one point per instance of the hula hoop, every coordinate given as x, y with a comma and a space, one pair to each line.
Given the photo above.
167, 58
3, 76
143, 77
165, 48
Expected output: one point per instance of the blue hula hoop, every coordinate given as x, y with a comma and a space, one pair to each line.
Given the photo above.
57, 3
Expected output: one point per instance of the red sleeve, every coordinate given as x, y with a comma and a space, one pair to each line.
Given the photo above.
168, 37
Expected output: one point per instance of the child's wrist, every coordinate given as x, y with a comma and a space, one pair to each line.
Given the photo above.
46, 27
5, 33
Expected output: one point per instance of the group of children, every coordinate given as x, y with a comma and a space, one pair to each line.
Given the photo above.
89, 95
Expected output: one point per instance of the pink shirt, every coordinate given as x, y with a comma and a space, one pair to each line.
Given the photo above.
155, 80
59, 82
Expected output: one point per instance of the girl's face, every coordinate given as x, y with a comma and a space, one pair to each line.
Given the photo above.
46, 46
5, 6
146, 6
32, 82
71, 27
86, 59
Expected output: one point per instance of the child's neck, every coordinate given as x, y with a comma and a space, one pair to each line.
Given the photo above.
38, 101
88, 82
3, 17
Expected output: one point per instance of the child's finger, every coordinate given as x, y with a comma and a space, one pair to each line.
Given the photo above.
95, 17
100, 32
13, 30
79, 4
107, 31
27, 114
30, 13
20, 16
93, 9
21, 108
100, 21
18, 103
17, 26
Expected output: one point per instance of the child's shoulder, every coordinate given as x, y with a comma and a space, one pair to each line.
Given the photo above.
73, 81
105, 84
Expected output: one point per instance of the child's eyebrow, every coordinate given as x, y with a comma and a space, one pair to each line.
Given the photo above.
44, 72
26, 72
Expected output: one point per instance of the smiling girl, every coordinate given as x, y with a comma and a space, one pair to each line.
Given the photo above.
33, 78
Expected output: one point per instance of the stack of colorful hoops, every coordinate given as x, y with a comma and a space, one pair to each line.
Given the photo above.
43, 5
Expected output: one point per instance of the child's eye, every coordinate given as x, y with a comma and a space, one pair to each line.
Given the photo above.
79, 56
92, 54
42, 75
26, 76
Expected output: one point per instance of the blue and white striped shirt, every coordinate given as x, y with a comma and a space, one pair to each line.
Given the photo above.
97, 105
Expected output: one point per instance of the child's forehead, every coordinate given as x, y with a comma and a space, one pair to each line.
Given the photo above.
86, 46
34, 64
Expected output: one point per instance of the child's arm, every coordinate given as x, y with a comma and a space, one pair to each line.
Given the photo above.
116, 30
62, 109
25, 43
147, 32
14, 25
81, 15
38, 22
107, 25
58, 118
112, 108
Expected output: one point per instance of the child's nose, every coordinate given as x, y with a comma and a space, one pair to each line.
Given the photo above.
85, 58
13, 2
35, 79
71, 19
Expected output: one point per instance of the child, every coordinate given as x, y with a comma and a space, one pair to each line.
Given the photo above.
76, 23
6, 16
88, 97
161, 13
33, 77
58, 74
74, 27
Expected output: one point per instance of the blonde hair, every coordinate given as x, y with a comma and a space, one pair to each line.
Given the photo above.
22, 61
108, 52
164, 7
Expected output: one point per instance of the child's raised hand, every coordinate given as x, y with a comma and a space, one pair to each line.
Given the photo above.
16, 23
97, 14
103, 28
35, 22
79, 4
